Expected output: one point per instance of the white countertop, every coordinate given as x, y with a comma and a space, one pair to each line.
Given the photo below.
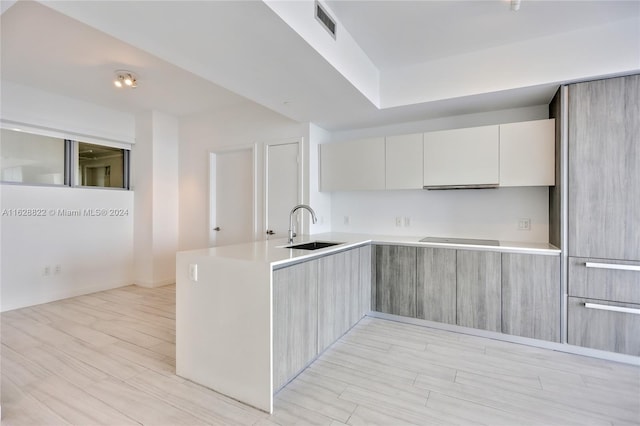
224, 300
273, 251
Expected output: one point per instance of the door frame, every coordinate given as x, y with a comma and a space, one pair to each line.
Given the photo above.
213, 181
265, 180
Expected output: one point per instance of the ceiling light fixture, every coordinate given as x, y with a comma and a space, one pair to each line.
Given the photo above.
125, 78
515, 5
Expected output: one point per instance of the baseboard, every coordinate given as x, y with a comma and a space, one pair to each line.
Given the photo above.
43, 298
154, 284
560, 347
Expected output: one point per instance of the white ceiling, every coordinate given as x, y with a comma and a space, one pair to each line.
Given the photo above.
50, 51
198, 55
403, 33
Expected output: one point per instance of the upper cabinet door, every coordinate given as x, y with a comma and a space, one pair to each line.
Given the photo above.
462, 157
352, 166
604, 169
527, 153
404, 161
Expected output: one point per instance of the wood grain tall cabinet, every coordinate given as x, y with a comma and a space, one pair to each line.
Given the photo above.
603, 220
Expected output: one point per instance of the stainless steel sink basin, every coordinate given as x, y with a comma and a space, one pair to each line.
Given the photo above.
313, 245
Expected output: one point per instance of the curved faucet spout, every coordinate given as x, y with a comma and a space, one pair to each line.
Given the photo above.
293, 210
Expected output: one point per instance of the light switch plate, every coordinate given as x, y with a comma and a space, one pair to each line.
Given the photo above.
193, 272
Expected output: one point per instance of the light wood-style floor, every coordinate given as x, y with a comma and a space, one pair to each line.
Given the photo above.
109, 358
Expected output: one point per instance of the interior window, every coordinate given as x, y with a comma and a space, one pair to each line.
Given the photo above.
31, 159
101, 166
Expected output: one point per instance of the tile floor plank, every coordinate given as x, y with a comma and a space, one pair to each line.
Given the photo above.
109, 358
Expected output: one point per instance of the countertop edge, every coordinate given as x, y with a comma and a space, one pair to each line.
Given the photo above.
274, 255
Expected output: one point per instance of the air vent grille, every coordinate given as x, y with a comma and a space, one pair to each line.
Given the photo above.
327, 21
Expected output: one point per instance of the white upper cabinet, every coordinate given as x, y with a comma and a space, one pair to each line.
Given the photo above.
462, 157
514, 154
353, 166
404, 161
527, 153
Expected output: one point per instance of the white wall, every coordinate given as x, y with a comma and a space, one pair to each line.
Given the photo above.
71, 117
200, 134
155, 183
319, 201
485, 213
343, 52
482, 213
142, 184
94, 252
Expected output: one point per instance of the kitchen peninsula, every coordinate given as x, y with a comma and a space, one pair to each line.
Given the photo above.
250, 317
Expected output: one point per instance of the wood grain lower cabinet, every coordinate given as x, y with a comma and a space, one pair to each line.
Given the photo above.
604, 279
295, 320
531, 296
365, 278
598, 324
339, 296
395, 286
478, 301
436, 285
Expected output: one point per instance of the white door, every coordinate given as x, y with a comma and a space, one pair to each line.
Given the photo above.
282, 187
231, 202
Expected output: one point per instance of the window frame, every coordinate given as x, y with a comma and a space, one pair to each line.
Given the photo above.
126, 166
71, 160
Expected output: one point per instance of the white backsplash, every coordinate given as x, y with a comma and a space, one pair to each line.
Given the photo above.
480, 213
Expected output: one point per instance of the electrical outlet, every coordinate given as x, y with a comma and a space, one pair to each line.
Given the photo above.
398, 221
57, 269
524, 224
347, 220
46, 271
407, 221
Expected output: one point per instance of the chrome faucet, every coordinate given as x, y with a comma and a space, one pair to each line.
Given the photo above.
293, 210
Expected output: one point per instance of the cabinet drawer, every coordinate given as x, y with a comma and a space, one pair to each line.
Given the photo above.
613, 280
604, 325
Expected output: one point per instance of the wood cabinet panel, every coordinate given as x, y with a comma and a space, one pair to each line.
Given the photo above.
599, 279
478, 290
556, 191
396, 280
404, 168
295, 320
436, 285
365, 279
604, 171
531, 296
339, 296
604, 329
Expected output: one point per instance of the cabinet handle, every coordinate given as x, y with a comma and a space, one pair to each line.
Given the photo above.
612, 266
612, 308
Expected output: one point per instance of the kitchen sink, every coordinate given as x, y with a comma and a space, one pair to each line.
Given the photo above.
313, 245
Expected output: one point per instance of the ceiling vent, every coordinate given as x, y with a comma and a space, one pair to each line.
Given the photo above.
325, 19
